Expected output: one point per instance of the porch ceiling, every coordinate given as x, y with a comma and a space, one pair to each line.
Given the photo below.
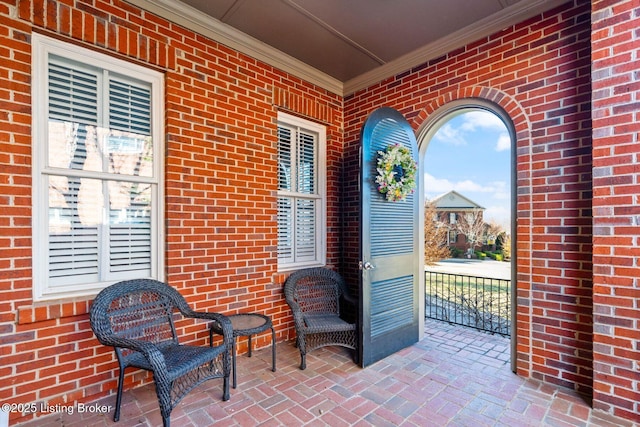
346, 45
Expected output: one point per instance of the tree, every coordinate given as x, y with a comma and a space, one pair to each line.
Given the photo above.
435, 236
506, 246
472, 226
492, 231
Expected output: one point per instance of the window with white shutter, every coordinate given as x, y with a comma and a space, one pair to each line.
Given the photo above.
301, 193
97, 194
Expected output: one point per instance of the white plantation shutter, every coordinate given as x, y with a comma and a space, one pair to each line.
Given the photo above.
306, 162
300, 197
129, 107
73, 244
285, 230
305, 230
284, 158
99, 171
73, 252
73, 94
130, 235
130, 226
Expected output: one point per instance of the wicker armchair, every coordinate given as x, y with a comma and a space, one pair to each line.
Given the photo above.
314, 295
136, 318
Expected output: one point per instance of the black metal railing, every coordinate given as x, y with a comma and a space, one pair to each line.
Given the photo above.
479, 302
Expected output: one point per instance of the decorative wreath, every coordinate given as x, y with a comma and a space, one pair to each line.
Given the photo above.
396, 173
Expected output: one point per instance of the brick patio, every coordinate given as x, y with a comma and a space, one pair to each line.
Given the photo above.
455, 376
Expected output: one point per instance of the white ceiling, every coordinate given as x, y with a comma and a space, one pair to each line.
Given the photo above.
346, 45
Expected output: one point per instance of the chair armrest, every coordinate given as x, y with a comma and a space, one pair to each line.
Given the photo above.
148, 350
298, 319
298, 315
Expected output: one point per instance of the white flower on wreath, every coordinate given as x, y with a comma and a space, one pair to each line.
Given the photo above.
396, 177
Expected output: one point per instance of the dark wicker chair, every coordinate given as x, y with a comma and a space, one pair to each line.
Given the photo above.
315, 295
136, 318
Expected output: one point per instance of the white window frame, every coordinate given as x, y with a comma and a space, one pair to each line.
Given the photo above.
42, 48
289, 120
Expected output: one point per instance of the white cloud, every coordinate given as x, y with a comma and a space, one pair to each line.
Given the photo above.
503, 143
474, 121
468, 186
500, 190
479, 119
500, 215
436, 186
450, 135
494, 196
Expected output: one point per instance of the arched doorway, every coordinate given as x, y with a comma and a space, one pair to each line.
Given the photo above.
433, 127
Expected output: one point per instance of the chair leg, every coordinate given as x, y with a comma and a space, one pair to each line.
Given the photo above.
166, 422
225, 389
302, 347
116, 415
273, 350
233, 362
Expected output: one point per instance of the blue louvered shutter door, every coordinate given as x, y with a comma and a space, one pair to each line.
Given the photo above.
389, 243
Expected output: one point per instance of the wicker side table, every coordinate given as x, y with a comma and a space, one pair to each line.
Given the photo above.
246, 325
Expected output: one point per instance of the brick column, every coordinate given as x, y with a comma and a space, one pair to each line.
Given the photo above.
616, 210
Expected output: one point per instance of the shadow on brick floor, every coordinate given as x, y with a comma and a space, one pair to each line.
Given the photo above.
455, 376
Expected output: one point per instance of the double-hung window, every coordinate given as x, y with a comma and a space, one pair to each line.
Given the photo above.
97, 153
301, 192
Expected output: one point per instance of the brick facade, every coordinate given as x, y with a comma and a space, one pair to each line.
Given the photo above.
616, 151
577, 321
220, 185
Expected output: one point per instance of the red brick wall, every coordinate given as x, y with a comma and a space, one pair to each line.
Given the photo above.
221, 109
538, 72
616, 215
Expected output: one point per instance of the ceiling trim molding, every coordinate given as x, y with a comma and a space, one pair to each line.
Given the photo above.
189, 17
505, 18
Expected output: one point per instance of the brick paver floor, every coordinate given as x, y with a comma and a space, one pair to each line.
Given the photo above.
455, 376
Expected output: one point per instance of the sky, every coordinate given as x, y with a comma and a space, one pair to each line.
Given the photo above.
471, 154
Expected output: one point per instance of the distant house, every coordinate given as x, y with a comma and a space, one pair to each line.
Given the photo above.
450, 208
